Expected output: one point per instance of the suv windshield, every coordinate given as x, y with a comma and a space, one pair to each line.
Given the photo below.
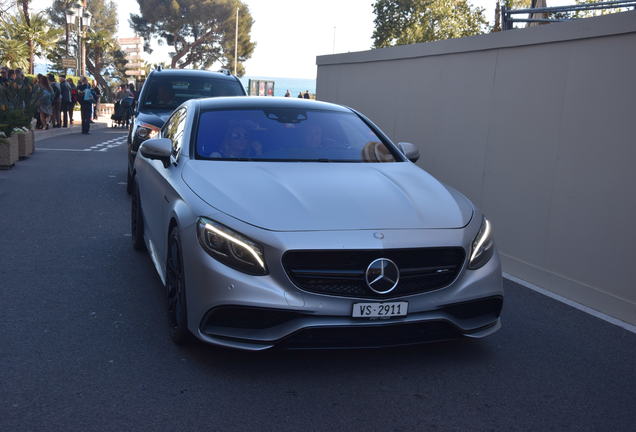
288, 134
168, 92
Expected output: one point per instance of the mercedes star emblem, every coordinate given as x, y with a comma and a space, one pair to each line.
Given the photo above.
382, 276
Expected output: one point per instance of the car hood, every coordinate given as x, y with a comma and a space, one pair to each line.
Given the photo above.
153, 117
301, 196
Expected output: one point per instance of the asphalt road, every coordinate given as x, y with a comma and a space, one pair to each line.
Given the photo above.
84, 343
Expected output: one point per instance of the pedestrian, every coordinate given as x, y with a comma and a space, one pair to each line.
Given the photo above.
123, 93
74, 98
57, 102
19, 74
86, 98
65, 95
45, 106
306, 95
287, 93
131, 89
300, 95
98, 94
4, 75
135, 95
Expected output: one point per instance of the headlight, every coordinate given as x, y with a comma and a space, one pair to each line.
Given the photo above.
147, 131
483, 246
230, 247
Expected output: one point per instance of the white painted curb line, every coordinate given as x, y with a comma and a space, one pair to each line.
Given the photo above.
575, 305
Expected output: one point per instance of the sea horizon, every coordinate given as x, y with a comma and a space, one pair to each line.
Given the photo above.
282, 84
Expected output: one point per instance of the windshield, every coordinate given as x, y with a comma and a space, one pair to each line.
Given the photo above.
288, 134
169, 92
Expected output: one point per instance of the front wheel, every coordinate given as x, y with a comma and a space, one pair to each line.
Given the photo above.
136, 221
175, 285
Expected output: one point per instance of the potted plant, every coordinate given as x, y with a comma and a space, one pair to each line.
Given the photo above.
25, 141
18, 103
9, 151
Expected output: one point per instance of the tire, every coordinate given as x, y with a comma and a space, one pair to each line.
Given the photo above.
136, 221
129, 182
175, 289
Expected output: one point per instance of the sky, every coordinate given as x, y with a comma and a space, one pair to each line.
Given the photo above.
289, 34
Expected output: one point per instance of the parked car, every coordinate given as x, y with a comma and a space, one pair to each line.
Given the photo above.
299, 224
163, 91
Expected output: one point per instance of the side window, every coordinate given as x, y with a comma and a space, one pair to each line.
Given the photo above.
173, 129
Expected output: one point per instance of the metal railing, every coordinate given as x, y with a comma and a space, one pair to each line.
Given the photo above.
558, 13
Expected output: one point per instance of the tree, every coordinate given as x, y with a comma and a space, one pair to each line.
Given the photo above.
103, 53
35, 33
517, 4
595, 12
27, 21
510, 4
411, 21
497, 26
13, 53
202, 32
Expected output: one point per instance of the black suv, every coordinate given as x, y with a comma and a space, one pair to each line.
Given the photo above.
163, 91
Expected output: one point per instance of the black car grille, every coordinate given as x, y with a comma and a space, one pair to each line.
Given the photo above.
342, 272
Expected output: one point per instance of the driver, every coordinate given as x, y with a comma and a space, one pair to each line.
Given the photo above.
164, 94
235, 143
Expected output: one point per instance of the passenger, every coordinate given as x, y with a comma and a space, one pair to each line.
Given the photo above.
236, 143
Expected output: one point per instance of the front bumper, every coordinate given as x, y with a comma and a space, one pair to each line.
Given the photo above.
232, 309
294, 330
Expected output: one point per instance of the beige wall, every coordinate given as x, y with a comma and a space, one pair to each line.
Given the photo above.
537, 127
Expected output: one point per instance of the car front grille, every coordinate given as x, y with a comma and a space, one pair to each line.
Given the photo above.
342, 272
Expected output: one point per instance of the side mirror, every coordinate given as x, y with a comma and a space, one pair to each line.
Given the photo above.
157, 148
410, 150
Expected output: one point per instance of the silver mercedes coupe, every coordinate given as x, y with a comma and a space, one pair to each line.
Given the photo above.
277, 222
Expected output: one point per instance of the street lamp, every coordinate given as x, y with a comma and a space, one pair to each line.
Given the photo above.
86, 19
70, 19
80, 15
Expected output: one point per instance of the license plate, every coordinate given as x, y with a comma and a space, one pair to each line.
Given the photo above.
380, 310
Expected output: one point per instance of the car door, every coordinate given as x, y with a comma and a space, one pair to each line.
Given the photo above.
158, 191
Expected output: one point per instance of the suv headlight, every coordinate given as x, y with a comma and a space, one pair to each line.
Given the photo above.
231, 248
147, 131
483, 246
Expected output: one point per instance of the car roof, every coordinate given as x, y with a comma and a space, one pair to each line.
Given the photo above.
259, 102
189, 72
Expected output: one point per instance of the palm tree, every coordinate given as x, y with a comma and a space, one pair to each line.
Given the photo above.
27, 21
36, 34
13, 53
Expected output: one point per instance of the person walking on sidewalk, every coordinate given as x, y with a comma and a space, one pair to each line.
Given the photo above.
45, 103
57, 102
65, 94
87, 98
74, 98
98, 94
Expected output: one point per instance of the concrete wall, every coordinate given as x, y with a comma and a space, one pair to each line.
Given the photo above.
537, 127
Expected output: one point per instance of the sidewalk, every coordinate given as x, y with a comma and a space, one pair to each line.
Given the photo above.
76, 128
